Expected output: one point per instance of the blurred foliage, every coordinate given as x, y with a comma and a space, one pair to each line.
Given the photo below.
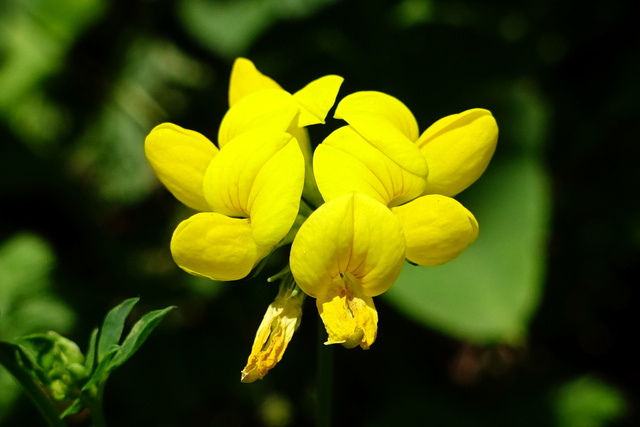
27, 303
588, 402
490, 292
508, 334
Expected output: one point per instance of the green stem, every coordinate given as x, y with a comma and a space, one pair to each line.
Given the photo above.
10, 358
324, 380
306, 207
93, 402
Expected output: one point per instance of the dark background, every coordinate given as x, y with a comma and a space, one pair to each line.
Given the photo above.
72, 173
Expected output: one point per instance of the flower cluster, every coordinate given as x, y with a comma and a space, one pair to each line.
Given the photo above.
386, 196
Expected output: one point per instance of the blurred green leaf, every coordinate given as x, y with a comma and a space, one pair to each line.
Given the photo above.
229, 27
26, 302
41, 311
25, 264
489, 293
138, 335
112, 327
35, 36
588, 402
26, 305
109, 155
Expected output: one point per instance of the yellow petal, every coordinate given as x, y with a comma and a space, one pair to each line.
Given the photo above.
230, 176
302, 136
346, 162
436, 228
458, 149
246, 79
274, 199
387, 124
271, 109
215, 246
317, 98
310, 191
274, 333
180, 158
339, 172
349, 316
259, 175
350, 234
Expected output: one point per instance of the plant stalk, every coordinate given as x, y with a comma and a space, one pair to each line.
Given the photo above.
324, 380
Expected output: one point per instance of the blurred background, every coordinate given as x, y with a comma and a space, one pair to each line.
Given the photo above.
533, 326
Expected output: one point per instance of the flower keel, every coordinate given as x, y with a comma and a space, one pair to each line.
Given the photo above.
350, 317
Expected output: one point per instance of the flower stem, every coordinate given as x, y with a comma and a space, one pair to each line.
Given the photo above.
324, 380
93, 402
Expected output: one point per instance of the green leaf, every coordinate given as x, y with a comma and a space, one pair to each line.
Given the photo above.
489, 293
73, 409
588, 402
90, 358
138, 335
102, 370
112, 327
229, 28
27, 304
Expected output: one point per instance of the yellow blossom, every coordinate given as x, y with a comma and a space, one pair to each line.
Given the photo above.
348, 251
251, 194
381, 153
388, 193
248, 188
234, 187
313, 101
274, 333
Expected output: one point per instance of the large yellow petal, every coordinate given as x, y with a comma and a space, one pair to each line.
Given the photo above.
274, 199
436, 228
351, 234
212, 245
387, 124
180, 158
317, 98
338, 172
246, 79
458, 149
271, 109
230, 177
346, 162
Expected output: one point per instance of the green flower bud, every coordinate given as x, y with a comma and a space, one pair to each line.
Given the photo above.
60, 363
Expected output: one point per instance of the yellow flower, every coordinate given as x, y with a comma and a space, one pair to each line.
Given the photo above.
381, 154
388, 196
249, 194
274, 333
247, 191
314, 102
348, 251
